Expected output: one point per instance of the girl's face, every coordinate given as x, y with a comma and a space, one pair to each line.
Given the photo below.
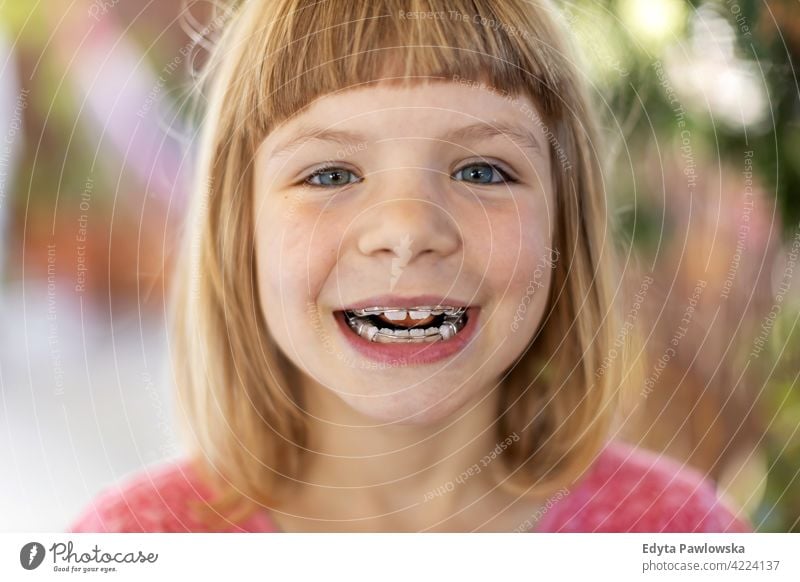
435, 194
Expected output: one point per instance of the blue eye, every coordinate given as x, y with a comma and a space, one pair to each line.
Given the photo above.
483, 173
331, 176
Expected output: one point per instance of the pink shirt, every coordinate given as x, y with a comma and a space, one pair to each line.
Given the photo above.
627, 489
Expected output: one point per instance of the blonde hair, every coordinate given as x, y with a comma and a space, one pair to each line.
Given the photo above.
274, 59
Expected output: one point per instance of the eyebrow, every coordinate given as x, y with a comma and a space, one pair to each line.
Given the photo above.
521, 136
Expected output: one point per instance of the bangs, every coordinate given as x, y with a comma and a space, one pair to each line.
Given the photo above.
303, 52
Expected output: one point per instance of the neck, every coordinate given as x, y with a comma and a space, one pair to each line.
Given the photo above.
406, 477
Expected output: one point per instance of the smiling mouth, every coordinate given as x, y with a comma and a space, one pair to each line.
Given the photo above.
421, 324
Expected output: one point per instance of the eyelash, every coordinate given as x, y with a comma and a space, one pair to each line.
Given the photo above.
507, 178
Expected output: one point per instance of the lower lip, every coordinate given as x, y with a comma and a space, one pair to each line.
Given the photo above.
410, 354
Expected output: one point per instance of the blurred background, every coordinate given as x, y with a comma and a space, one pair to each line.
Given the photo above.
701, 114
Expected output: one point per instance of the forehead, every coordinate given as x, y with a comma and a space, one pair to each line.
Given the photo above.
464, 95
463, 111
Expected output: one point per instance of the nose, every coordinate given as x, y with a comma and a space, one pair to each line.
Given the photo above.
407, 219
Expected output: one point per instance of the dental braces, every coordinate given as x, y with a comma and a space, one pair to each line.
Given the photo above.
453, 320
437, 310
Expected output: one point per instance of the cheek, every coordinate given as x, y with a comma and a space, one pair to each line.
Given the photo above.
294, 253
508, 244
514, 246
294, 256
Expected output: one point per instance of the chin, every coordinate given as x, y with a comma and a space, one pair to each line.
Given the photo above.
408, 406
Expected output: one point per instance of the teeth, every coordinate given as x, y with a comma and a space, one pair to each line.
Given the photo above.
453, 323
395, 315
419, 312
447, 330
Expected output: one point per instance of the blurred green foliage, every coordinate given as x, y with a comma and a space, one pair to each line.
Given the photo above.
780, 508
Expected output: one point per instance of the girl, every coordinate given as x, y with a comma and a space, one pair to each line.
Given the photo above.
395, 306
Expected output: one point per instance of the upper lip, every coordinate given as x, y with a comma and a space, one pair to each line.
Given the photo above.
407, 302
